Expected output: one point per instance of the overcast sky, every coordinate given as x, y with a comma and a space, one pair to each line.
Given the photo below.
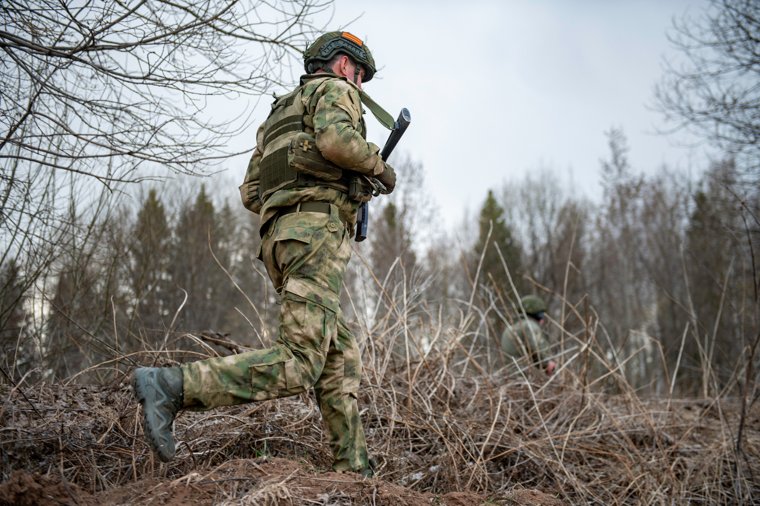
500, 89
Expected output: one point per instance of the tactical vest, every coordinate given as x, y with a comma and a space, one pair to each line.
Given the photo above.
290, 157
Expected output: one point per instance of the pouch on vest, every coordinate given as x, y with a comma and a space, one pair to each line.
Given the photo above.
304, 156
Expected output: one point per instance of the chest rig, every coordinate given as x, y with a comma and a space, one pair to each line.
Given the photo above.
290, 157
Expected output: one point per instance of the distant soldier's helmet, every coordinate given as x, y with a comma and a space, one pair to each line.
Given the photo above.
328, 45
533, 305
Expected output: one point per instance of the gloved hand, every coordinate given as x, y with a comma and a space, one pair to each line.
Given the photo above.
388, 178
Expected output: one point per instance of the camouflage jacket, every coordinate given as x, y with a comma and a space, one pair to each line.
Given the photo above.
525, 338
333, 106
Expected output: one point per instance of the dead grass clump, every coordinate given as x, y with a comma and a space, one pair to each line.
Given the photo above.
439, 422
491, 432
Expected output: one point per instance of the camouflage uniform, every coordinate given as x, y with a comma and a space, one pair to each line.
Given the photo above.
305, 255
525, 338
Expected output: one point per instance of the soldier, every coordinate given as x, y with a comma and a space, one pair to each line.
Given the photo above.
526, 338
309, 172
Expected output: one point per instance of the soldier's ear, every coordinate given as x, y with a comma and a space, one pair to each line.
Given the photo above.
345, 61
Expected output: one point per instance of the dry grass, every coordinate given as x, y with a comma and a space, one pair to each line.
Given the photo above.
440, 414
430, 428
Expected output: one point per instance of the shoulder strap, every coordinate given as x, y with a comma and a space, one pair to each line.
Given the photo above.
381, 114
378, 112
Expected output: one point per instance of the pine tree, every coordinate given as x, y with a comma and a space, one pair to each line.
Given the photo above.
496, 237
148, 250
198, 233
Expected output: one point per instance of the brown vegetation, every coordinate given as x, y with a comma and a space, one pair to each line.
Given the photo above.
436, 434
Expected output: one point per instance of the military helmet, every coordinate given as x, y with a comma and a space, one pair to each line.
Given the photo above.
533, 305
328, 45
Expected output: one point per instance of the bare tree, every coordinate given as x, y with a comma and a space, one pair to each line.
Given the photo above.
721, 273
86, 81
716, 92
118, 91
618, 276
14, 342
550, 221
108, 93
84, 300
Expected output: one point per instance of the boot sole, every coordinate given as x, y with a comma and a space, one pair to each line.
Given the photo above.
144, 386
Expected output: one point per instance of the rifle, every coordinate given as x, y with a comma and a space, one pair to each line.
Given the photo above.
399, 127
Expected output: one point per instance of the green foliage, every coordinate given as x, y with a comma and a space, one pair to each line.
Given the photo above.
148, 251
495, 240
196, 235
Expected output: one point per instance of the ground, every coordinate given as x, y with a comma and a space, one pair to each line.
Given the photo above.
262, 481
474, 443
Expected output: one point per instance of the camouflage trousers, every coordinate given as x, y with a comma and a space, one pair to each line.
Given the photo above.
305, 255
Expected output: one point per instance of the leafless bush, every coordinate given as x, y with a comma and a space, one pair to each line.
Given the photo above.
714, 91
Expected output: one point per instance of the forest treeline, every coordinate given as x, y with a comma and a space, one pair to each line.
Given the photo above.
103, 257
660, 272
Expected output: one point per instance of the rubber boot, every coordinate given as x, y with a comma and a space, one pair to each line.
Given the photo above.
159, 390
369, 471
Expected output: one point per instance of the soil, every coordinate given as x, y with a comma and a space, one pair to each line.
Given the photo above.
83, 445
262, 481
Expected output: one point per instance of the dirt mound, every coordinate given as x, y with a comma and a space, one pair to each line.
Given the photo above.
27, 489
262, 481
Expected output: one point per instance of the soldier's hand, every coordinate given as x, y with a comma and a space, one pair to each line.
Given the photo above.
388, 178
